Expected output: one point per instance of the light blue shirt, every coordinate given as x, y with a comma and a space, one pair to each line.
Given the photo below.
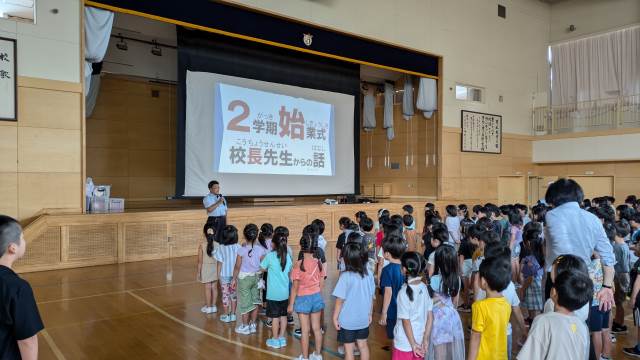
211, 199
357, 293
571, 230
277, 279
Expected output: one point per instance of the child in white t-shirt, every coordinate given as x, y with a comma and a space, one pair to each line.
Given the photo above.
413, 331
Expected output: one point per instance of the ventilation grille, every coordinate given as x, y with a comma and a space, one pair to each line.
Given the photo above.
43, 250
185, 237
93, 242
145, 241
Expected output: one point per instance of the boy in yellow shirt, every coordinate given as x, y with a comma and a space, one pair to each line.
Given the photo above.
489, 317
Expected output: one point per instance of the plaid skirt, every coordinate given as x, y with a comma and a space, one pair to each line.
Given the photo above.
533, 296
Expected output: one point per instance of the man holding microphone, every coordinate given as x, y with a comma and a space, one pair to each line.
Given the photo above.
216, 207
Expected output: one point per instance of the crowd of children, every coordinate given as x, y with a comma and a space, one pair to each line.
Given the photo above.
489, 261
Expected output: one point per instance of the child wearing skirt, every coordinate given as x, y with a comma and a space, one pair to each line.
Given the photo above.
207, 270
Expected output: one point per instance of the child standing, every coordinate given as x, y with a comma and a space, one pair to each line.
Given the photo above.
369, 241
453, 225
322, 242
226, 255
409, 233
439, 238
531, 272
277, 265
491, 315
561, 334
447, 337
635, 299
391, 281
465, 258
412, 333
207, 270
598, 320
308, 277
621, 278
515, 241
246, 276
354, 302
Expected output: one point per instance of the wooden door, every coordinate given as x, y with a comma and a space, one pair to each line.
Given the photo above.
595, 186
511, 190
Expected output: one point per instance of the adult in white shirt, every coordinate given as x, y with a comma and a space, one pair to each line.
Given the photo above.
571, 230
216, 207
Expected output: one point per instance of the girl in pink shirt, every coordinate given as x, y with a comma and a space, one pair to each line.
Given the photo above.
306, 295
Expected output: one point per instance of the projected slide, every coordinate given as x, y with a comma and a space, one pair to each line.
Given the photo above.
259, 132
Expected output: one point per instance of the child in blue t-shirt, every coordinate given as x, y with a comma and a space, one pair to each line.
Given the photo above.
354, 302
391, 280
278, 265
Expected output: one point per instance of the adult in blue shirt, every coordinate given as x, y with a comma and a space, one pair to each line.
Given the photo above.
572, 230
216, 207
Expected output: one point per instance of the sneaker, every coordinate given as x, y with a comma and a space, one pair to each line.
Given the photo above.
204, 309
613, 338
290, 320
341, 350
212, 310
300, 358
252, 328
243, 330
619, 329
268, 323
283, 342
225, 318
315, 356
297, 333
632, 351
273, 343
233, 317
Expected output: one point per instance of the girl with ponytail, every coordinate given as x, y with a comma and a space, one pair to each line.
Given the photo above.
306, 295
277, 265
207, 270
413, 330
246, 275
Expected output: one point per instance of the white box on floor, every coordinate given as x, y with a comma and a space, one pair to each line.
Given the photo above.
116, 205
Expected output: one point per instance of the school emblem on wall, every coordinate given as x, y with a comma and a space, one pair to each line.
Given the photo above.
307, 39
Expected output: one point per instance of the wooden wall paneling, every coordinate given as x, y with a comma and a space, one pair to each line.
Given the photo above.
64, 243
594, 186
110, 133
51, 109
511, 189
295, 223
48, 150
9, 194
107, 162
8, 149
37, 191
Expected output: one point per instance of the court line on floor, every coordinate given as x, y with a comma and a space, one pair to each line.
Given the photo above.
205, 332
117, 292
52, 345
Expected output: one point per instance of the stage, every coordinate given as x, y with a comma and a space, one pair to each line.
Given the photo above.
166, 230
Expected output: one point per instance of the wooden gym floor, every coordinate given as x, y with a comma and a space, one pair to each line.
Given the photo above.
151, 310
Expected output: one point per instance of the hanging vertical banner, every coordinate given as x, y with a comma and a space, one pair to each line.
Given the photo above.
8, 79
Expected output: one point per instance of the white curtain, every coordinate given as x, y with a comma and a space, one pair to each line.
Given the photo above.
97, 31
598, 67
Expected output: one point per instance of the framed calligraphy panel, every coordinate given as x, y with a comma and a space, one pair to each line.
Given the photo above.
481, 132
8, 80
